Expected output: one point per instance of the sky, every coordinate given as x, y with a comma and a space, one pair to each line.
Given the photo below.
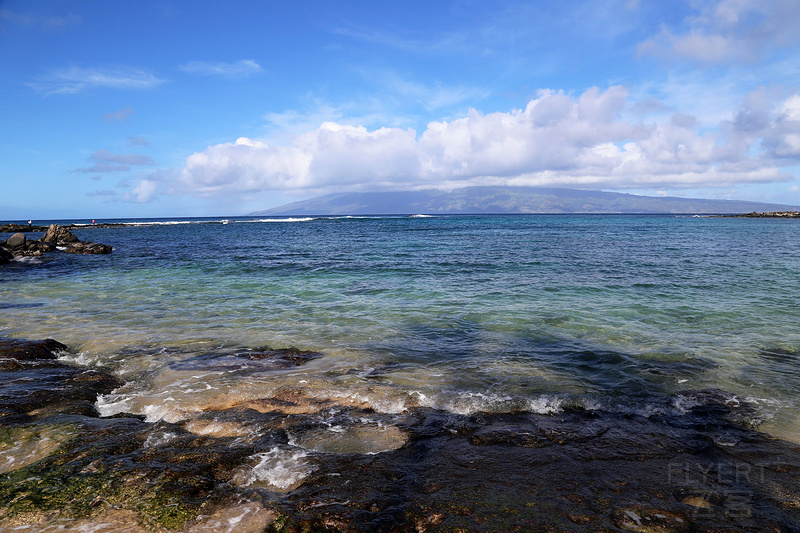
206, 108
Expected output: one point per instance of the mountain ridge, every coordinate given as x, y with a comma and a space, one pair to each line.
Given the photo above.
512, 200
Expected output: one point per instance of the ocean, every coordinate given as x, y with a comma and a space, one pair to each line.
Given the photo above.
541, 314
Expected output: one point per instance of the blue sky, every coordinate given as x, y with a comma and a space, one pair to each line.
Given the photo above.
140, 109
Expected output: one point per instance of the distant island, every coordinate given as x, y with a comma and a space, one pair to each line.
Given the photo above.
512, 200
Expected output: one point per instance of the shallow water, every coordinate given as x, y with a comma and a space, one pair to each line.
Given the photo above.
462, 313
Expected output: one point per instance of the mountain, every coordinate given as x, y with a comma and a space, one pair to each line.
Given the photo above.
474, 200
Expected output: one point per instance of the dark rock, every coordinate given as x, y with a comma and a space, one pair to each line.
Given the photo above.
16, 242
87, 248
58, 235
14, 228
25, 350
10, 364
581, 470
40, 246
33, 384
261, 359
36, 391
55, 236
5, 256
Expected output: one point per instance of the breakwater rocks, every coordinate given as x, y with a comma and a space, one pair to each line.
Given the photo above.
769, 214
298, 464
55, 238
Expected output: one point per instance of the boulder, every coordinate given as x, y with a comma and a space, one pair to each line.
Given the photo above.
5, 256
25, 350
39, 246
16, 242
58, 235
88, 248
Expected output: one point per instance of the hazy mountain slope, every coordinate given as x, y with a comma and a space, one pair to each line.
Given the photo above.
509, 200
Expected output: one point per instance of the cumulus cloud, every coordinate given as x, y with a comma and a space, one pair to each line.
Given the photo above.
105, 161
557, 139
729, 30
143, 192
237, 69
75, 79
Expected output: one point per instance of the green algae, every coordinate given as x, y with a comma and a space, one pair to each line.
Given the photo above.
99, 470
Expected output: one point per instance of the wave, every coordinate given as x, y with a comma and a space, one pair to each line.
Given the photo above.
301, 219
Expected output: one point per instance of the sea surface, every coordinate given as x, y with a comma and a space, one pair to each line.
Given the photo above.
460, 313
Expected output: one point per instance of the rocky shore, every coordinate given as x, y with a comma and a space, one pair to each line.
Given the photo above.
272, 464
768, 214
55, 238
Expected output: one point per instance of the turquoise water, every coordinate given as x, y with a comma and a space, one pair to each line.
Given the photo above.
465, 313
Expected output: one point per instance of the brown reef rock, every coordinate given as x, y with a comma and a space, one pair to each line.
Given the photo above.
55, 237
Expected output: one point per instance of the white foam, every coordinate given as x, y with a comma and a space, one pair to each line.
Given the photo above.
545, 405
303, 219
279, 467
112, 404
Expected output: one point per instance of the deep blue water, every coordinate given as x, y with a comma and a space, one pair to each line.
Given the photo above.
459, 312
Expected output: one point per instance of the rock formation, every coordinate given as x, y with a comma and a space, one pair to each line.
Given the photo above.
56, 237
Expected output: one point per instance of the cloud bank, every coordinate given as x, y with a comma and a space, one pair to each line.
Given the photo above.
556, 140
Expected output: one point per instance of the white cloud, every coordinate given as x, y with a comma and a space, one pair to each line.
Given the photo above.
75, 79
143, 192
557, 139
245, 166
726, 31
238, 69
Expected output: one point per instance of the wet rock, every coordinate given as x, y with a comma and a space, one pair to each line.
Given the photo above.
649, 520
25, 350
88, 248
14, 228
36, 391
334, 466
33, 384
58, 235
697, 501
39, 246
5, 256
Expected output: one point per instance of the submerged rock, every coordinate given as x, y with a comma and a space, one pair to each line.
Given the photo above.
34, 385
263, 359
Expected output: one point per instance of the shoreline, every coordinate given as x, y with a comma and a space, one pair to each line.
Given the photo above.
276, 462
